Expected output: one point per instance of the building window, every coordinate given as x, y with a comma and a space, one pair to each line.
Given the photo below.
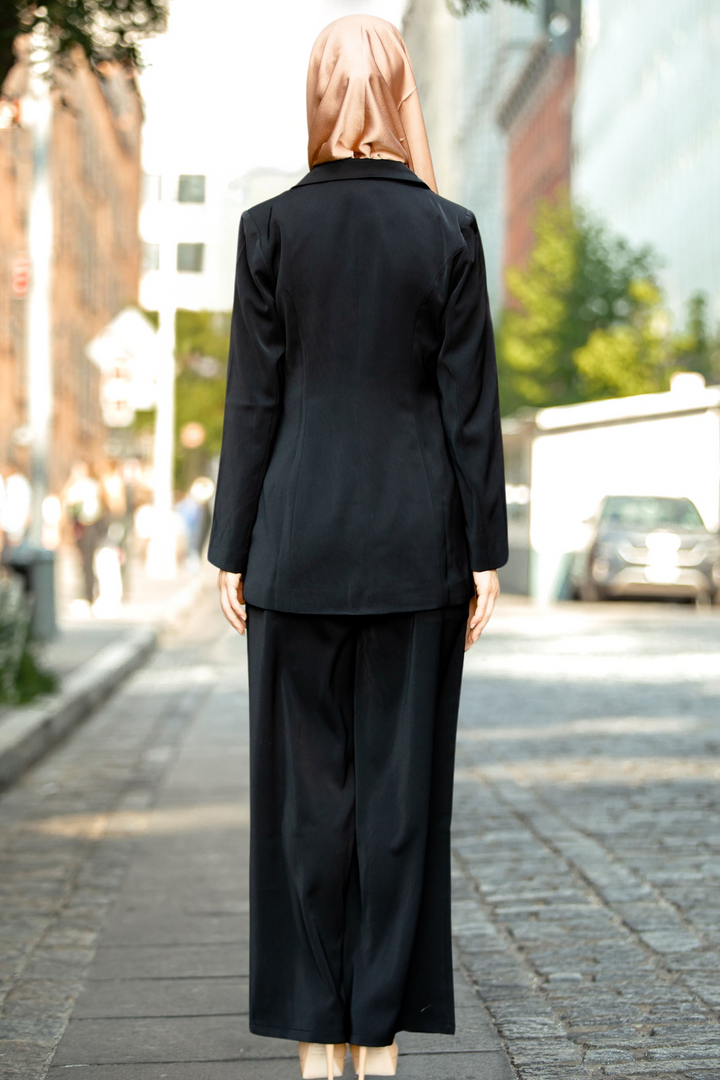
190, 257
150, 257
191, 189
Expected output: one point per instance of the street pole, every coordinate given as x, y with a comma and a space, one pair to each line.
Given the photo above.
162, 548
37, 110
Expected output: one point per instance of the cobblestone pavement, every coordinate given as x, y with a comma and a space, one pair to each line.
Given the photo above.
587, 834
586, 869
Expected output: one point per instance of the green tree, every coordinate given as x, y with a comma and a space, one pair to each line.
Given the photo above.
202, 339
202, 342
631, 356
697, 347
466, 7
580, 281
105, 29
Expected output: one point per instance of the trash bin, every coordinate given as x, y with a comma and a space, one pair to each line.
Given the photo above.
37, 566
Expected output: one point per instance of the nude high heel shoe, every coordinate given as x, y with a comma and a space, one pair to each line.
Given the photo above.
375, 1060
321, 1060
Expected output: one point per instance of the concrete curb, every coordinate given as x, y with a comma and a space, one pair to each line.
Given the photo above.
26, 733
29, 732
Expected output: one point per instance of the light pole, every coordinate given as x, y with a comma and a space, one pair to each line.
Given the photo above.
31, 559
162, 548
37, 117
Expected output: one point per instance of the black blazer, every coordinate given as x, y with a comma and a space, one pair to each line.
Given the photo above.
361, 467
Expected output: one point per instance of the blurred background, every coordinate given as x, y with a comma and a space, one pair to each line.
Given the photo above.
584, 137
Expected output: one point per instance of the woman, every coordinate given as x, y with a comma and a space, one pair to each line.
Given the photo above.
360, 515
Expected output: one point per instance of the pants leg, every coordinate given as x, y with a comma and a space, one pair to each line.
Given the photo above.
353, 722
87, 543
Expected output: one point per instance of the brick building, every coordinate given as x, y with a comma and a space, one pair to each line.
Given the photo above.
536, 116
95, 182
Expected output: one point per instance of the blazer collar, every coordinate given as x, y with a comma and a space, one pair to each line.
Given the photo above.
361, 169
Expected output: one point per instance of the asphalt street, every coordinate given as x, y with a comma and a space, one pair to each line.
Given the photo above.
586, 839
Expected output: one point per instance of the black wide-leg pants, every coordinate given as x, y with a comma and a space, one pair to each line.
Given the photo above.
352, 730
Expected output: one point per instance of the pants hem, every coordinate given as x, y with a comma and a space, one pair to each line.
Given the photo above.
357, 1039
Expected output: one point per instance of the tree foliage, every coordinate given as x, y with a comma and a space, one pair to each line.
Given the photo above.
579, 281
466, 7
588, 319
202, 340
105, 29
697, 347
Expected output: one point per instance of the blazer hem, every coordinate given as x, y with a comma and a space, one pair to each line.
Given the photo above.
309, 602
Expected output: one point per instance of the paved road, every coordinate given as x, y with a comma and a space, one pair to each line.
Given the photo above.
587, 833
586, 838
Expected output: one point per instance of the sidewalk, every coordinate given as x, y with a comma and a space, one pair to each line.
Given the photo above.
123, 887
91, 655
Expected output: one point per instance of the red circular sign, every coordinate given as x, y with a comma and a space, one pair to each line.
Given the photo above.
20, 274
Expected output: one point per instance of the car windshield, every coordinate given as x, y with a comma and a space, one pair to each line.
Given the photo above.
650, 513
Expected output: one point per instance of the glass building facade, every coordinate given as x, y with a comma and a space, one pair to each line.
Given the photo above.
646, 129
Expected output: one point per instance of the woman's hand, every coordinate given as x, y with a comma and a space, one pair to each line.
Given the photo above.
231, 599
487, 590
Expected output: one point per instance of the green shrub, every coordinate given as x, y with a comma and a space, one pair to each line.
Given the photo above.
21, 675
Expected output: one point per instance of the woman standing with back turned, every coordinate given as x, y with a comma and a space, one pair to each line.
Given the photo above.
360, 516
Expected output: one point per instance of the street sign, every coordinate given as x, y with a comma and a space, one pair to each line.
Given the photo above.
20, 275
125, 353
115, 396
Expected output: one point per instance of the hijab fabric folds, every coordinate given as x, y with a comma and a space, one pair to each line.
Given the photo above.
361, 97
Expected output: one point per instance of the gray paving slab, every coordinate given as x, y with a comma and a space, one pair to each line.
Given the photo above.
176, 927
165, 1039
276, 1069
487, 1065
490, 1065
170, 961
473, 1031
161, 997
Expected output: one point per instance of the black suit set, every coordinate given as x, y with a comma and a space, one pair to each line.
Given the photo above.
360, 484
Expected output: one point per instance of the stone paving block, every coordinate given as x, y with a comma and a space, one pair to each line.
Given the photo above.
607, 1056
24, 1058
162, 997
549, 1051
529, 1027
672, 1068
546, 1072
671, 941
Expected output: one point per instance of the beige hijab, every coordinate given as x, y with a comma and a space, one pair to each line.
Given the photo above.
361, 97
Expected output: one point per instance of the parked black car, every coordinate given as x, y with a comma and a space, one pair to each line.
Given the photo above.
642, 545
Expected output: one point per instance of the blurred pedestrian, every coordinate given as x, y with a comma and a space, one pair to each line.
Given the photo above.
116, 543
15, 505
82, 498
360, 515
194, 513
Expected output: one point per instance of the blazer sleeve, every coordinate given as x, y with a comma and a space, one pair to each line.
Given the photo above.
468, 385
252, 403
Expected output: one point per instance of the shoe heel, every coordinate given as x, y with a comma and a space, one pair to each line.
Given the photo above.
379, 1060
